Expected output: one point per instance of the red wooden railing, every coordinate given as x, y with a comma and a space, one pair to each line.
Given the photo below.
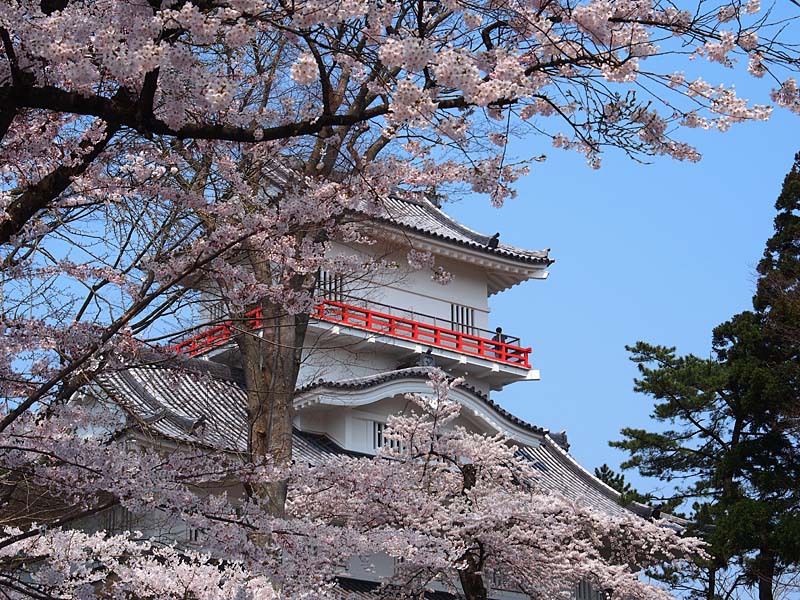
219, 335
377, 322
424, 333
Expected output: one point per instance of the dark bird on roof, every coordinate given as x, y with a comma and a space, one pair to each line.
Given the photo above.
493, 241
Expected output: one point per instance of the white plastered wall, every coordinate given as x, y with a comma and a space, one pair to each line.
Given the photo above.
415, 290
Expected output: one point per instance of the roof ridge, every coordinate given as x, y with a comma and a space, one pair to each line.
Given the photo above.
202, 367
420, 370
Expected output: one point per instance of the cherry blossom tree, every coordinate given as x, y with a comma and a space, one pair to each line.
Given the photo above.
481, 510
455, 506
150, 145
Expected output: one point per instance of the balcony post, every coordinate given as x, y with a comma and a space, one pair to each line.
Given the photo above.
256, 318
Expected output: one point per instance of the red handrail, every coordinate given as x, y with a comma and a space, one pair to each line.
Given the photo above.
374, 321
429, 335
219, 335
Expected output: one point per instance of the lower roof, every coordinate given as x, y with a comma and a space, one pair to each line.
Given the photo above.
186, 405
420, 374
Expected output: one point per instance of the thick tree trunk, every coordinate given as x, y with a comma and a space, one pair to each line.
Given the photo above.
472, 584
471, 577
765, 571
271, 362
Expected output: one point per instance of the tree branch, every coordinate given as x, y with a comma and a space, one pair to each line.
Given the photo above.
40, 195
124, 111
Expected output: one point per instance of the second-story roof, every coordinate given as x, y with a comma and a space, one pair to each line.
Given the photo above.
422, 216
422, 374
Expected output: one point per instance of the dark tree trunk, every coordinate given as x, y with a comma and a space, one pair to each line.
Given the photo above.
472, 583
765, 571
271, 362
711, 590
471, 577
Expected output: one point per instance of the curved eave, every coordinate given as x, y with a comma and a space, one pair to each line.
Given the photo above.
500, 252
368, 390
420, 215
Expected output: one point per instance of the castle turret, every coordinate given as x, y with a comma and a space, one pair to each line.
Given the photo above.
402, 317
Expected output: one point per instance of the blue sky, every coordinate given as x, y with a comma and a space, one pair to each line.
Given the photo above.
661, 252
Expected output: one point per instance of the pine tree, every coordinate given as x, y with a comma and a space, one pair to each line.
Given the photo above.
728, 441
617, 481
778, 297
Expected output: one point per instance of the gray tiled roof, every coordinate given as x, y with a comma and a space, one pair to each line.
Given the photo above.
422, 216
417, 214
187, 405
356, 589
559, 472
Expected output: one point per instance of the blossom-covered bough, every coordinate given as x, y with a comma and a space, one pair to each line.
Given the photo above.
454, 506
147, 145
124, 120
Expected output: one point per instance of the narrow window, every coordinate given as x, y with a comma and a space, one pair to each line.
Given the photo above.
120, 519
379, 439
217, 311
462, 318
377, 434
585, 591
331, 285
499, 581
398, 564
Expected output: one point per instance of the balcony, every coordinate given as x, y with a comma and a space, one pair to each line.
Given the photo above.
384, 320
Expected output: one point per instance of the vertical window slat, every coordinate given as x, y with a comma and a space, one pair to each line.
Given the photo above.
462, 318
331, 285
